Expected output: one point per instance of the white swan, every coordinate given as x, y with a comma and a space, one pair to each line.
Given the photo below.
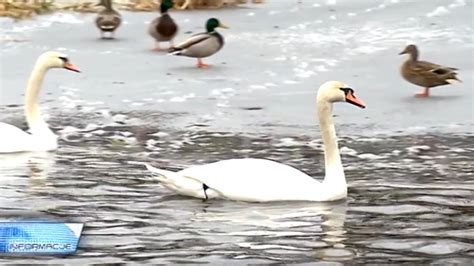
260, 180
40, 137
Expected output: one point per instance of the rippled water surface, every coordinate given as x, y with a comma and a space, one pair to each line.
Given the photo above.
408, 162
410, 198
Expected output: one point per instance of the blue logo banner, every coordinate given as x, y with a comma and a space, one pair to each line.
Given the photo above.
39, 237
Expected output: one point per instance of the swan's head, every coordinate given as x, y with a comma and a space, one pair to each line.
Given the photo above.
56, 60
336, 91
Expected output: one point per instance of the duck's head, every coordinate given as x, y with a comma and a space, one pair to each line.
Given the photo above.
214, 23
411, 49
336, 91
53, 59
165, 5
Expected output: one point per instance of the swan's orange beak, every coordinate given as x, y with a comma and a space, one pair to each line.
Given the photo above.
350, 98
71, 67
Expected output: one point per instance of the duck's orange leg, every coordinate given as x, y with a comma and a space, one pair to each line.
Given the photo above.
424, 93
201, 64
157, 47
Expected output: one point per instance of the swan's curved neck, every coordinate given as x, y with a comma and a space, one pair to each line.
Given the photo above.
32, 112
332, 158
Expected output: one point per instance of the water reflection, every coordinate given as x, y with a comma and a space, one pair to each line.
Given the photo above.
274, 229
35, 165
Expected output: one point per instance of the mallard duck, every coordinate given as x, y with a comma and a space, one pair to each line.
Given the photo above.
425, 74
163, 28
202, 44
108, 20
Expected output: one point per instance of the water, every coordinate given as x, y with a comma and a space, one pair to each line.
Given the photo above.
408, 162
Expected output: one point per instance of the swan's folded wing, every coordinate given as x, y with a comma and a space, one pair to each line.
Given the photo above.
13, 139
253, 180
177, 183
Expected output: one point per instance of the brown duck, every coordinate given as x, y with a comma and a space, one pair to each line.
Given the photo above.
425, 74
108, 20
163, 28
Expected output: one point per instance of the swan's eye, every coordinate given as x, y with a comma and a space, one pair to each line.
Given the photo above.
65, 59
347, 91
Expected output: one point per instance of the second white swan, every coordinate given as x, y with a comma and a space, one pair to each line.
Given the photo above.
40, 137
260, 180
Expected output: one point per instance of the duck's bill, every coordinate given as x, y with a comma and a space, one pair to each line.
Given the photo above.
71, 67
223, 26
350, 98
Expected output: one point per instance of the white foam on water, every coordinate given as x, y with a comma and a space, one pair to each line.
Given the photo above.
68, 129
351, 14
119, 118
321, 68
457, 3
287, 142
251, 14
182, 98
223, 104
228, 90
269, 84
91, 126
348, 151
370, 156
257, 87
417, 149
87, 109
177, 99
137, 104
280, 58
301, 73
166, 92
99, 132
330, 2
439, 11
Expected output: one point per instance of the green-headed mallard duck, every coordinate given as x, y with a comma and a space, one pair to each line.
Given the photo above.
425, 74
163, 28
202, 44
108, 20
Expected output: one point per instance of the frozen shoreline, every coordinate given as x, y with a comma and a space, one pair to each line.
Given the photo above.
265, 79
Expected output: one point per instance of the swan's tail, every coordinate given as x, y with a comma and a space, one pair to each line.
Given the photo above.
160, 174
180, 184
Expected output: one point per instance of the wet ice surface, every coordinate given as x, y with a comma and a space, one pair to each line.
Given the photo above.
408, 161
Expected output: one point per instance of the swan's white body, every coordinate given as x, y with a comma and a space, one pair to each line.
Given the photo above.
39, 137
261, 180
251, 180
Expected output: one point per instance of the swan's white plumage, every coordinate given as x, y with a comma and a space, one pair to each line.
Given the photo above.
13, 139
261, 180
39, 137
